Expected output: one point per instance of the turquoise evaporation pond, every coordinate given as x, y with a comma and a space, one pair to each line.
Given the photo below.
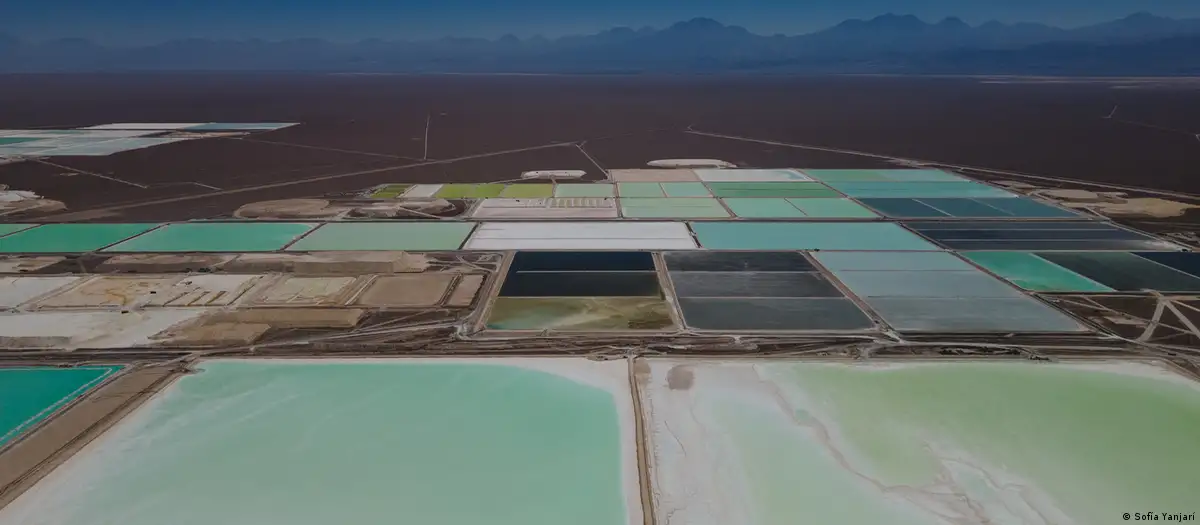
29, 395
6, 229
749, 235
308, 442
216, 237
908, 444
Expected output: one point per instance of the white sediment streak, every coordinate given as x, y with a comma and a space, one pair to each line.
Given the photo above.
744, 443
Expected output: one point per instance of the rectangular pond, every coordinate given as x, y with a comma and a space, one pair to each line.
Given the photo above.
318, 442
953, 207
547, 208
785, 442
216, 237
896, 189
368, 236
1037, 235
758, 291
806, 236
938, 292
750, 175
580, 291
70, 238
1027, 270
568, 235
673, 208
771, 189
887, 175
815, 208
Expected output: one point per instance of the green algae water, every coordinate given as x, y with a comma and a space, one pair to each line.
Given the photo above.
358, 442
948, 443
29, 395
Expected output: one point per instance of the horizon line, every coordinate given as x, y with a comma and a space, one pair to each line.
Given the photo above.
509, 36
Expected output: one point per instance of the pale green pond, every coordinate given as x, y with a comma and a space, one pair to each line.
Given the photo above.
950, 443
497, 442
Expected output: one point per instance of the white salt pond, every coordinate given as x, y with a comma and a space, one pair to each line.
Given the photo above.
370, 441
776, 442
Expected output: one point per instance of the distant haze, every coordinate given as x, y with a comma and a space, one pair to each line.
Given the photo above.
139, 22
1135, 45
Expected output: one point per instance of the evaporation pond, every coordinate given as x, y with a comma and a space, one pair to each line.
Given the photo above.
787, 442
304, 442
29, 395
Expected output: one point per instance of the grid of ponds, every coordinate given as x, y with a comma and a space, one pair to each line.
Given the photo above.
749, 235
541, 441
835, 224
758, 291
947, 207
1035, 246
1037, 236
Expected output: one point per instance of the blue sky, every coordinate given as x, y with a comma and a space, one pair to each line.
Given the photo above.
146, 21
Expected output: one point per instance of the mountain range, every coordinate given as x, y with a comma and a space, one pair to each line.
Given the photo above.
1139, 44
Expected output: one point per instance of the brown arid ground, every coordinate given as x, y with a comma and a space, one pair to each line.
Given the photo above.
359, 131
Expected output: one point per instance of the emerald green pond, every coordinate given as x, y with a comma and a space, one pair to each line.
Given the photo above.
29, 395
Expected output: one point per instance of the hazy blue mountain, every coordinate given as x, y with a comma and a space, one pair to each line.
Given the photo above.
892, 43
1138, 26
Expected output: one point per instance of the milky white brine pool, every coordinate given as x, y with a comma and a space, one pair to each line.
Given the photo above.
949, 443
